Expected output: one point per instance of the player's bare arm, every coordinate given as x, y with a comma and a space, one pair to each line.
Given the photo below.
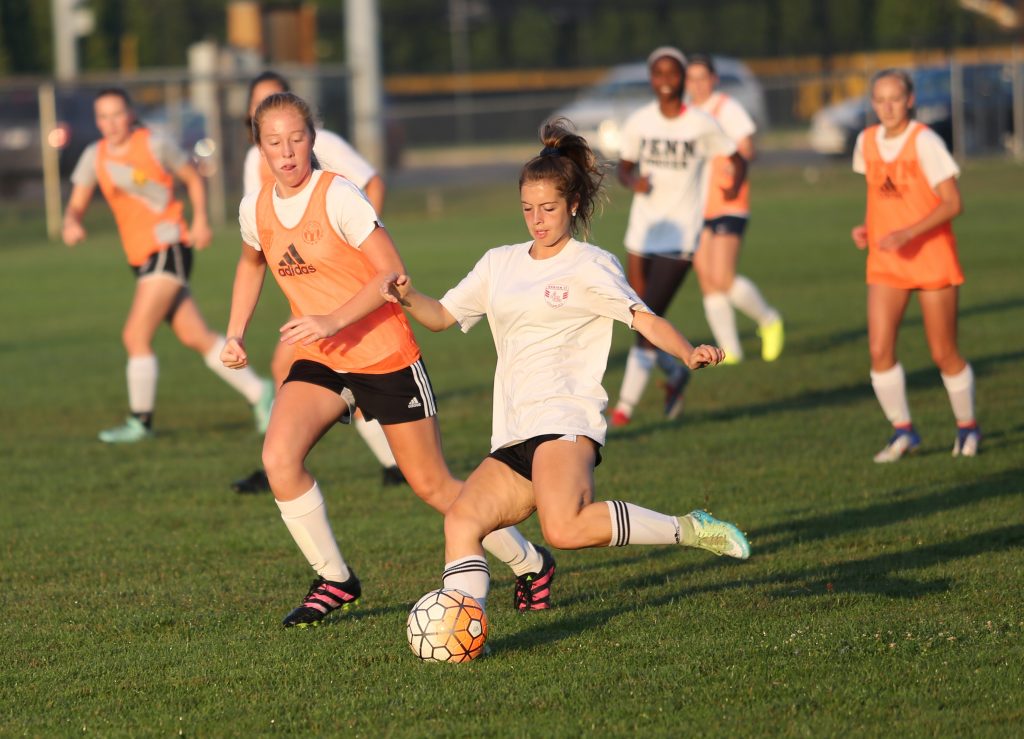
245, 294
199, 234
427, 311
632, 179
72, 231
739, 168
380, 250
664, 335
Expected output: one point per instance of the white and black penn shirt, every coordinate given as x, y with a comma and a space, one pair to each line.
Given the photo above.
673, 152
551, 320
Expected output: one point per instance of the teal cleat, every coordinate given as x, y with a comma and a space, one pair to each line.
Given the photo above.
262, 407
718, 537
129, 432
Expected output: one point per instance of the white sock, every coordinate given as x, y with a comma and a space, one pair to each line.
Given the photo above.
245, 381
632, 524
638, 370
745, 296
960, 388
891, 390
470, 575
722, 320
374, 437
306, 519
513, 549
142, 374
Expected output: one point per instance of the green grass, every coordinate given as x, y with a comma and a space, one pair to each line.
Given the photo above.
141, 597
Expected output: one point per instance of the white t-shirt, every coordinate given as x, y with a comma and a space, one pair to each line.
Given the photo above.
551, 320
731, 116
334, 154
673, 152
349, 212
937, 164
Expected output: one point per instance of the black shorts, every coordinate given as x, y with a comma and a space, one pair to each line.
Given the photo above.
174, 261
734, 225
520, 456
394, 397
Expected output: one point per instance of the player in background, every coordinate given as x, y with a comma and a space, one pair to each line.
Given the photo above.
666, 146
334, 155
550, 303
328, 252
912, 198
135, 170
725, 221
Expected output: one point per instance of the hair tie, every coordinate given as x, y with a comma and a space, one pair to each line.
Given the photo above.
549, 150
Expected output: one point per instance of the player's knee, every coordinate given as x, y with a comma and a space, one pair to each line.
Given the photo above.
435, 487
278, 459
947, 359
561, 534
461, 522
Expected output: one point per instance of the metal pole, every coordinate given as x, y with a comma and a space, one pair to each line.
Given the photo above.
956, 93
51, 161
458, 33
65, 39
362, 51
202, 66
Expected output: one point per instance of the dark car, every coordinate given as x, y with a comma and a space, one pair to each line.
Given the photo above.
987, 105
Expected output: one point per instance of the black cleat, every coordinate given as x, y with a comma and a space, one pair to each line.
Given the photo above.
391, 476
323, 597
257, 482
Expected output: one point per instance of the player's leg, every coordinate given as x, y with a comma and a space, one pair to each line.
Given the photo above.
563, 482
939, 312
715, 273
302, 414
640, 359
153, 298
886, 306
743, 294
418, 452
493, 497
192, 331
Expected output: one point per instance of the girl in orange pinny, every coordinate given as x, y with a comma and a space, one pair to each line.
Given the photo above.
325, 246
912, 196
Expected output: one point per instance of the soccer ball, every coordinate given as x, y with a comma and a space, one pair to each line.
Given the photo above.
447, 626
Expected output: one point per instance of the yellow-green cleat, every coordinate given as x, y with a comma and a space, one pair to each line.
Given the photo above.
717, 537
773, 338
262, 407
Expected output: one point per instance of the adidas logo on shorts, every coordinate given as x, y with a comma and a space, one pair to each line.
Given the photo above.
415, 403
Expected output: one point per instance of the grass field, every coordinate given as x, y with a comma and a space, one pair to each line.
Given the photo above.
141, 597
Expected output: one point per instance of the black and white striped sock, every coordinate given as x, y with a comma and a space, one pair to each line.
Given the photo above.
470, 575
632, 524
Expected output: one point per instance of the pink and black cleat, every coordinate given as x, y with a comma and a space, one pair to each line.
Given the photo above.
533, 590
324, 596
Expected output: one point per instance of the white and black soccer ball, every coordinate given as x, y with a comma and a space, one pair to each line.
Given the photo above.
447, 625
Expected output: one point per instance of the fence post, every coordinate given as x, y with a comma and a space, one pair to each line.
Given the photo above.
956, 95
50, 159
1017, 76
202, 67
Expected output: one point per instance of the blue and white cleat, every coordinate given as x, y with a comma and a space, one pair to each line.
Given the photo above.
129, 432
903, 441
968, 441
718, 537
262, 407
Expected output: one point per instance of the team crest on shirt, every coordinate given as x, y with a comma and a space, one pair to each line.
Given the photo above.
311, 232
556, 295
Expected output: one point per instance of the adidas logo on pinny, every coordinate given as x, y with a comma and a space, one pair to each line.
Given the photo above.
293, 264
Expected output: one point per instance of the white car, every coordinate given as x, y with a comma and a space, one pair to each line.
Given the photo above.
599, 112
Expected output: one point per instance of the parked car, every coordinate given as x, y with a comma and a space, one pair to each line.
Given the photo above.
988, 106
600, 110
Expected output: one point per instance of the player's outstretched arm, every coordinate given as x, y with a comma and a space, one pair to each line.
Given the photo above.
72, 230
664, 335
244, 295
426, 310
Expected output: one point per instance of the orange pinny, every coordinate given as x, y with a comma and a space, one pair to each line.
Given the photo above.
721, 176
141, 195
318, 271
898, 196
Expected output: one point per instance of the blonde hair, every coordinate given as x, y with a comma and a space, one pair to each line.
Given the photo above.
282, 101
